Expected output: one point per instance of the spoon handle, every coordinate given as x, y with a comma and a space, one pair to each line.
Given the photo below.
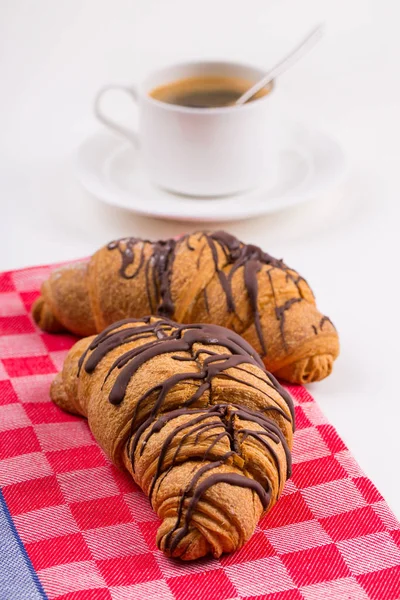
309, 41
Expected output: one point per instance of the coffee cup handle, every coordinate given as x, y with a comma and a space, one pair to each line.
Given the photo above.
109, 122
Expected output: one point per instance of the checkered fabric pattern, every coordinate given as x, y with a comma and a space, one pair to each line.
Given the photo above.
89, 532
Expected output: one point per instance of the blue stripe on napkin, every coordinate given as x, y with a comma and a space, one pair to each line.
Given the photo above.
18, 578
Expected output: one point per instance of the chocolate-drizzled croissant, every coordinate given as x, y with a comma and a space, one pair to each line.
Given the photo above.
204, 277
192, 414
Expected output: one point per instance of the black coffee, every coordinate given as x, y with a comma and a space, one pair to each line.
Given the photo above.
205, 92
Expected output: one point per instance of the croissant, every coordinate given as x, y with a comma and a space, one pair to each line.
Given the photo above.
191, 413
203, 277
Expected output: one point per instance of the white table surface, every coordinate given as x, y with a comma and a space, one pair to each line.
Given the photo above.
54, 55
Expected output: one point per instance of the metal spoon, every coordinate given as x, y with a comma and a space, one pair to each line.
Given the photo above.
312, 38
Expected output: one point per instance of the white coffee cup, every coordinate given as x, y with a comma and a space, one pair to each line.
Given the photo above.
201, 151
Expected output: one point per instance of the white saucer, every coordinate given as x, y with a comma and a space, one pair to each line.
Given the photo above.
309, 163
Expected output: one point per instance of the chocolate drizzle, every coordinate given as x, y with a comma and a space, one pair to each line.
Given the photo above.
126, 248
160, 262
325, 320
236, 255
170, 338
215, 417
280, 315
251, 258
202, 425
196, 490
206, 301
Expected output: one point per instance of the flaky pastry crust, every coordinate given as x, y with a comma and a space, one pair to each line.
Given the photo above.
203, 277
191, 413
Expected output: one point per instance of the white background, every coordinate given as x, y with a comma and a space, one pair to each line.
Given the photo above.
55, 54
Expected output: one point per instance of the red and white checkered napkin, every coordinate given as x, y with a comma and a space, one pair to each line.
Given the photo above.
90, 532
